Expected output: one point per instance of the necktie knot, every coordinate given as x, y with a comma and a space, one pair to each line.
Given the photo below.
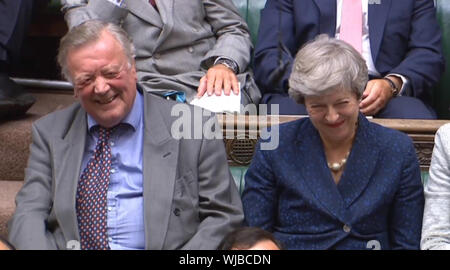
104, 134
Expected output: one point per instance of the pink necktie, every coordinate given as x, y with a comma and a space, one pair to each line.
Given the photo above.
351, 23
152, 2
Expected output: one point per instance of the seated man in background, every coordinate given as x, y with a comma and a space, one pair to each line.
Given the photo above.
400, 41
192, 47
15, 16
112, 156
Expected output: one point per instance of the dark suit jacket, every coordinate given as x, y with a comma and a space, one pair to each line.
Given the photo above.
190, 199
404, 37
15, 16
290, 191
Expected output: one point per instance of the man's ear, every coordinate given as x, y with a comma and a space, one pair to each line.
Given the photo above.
133, 70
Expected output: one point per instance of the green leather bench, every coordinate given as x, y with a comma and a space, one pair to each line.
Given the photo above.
442, 92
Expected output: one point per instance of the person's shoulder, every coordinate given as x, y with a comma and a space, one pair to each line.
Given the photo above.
444, 131
292, 128
389, 138
57, 119
289, 132
442, 139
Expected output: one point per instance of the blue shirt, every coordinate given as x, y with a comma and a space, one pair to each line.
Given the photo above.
125, 219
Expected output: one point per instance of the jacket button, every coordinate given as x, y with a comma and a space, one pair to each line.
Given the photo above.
190, 49
157, 55
176, 212
347, 228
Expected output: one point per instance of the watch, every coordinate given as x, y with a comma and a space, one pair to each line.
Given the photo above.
394, 88
228, 63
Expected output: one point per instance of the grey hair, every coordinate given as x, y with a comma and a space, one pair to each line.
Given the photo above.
89, 32
326, 64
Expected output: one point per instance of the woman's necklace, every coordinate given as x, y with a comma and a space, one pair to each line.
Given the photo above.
337, 166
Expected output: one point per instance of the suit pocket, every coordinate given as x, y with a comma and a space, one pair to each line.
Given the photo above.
186, 188
185, 214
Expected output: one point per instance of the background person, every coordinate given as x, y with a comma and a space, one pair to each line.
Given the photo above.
5, 245
196, 46
399, 40
436, 217
250, 238
15, 16
336, 180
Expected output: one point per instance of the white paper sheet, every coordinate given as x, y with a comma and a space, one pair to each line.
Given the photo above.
222, 103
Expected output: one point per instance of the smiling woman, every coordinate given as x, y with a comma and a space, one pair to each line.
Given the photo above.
336, 181
329, 79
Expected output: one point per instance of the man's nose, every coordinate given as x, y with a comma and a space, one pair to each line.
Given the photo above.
101, 85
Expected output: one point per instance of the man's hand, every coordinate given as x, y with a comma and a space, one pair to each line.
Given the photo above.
217, 78
376, 95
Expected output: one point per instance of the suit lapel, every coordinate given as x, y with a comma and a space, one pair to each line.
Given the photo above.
327, 18
378, 14
163, 18
361, 164
166, 10
315, 175
145, 11
160, 163
68, 153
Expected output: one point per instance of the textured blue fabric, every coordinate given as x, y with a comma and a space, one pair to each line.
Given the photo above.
290, 191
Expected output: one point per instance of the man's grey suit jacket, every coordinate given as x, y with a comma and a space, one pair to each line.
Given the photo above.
190, 198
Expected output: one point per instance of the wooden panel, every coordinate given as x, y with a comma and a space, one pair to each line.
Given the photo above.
241, 133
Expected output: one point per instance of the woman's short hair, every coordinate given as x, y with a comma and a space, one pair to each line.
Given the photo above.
326, 64
89, 32
246, 237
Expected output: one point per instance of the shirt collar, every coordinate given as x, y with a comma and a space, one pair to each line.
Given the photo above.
132, 119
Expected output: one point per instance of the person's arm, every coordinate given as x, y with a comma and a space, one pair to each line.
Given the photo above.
233, 43
260, 194
424, 62
220, 206
5, 245
277, 18
78, 11
28, 226
436, 218
405, 220
421, 68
